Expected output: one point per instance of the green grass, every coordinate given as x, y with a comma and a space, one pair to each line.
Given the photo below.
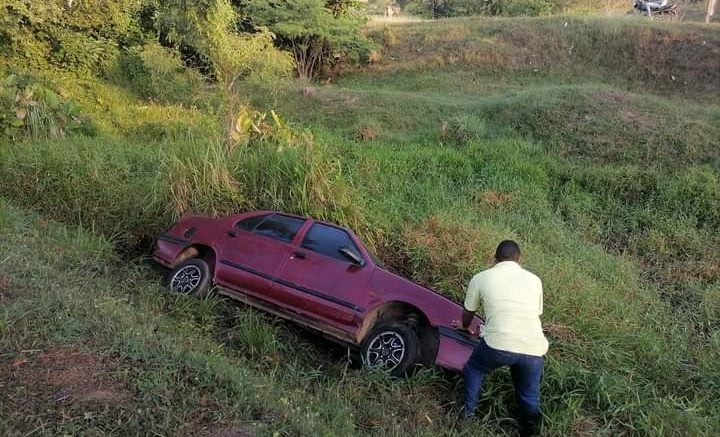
610, 184
622, 50
68, 291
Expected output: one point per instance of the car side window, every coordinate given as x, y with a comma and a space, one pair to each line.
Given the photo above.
279, 227
328, 240
249, 223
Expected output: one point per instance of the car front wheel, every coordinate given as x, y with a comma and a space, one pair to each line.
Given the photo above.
391, 347
192, 277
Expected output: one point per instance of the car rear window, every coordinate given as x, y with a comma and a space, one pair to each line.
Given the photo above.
328, 240
249, 223
279, 227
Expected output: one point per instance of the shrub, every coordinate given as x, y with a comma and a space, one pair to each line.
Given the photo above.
157, 73
464, 128
519, 7
28, 108
311, 32
78, 36
457, 8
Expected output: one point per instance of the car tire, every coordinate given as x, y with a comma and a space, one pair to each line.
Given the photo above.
392, 347
191, 277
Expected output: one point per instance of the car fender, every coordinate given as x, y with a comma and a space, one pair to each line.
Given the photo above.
442, 314
190, 237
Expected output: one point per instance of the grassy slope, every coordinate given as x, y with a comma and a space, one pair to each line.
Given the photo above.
612, 189
93, 346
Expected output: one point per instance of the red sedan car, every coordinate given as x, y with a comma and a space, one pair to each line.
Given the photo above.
319, 275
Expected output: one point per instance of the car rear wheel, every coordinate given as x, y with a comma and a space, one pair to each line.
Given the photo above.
191, 277
392, 347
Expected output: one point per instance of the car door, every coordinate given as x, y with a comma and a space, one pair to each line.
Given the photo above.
252, 250
323, 283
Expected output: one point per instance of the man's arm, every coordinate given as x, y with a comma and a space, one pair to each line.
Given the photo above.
471, 304
467, 317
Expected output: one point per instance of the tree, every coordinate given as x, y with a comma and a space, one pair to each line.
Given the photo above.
248, 56
710, 10
310, 29
342, 7
211, 27
76, 36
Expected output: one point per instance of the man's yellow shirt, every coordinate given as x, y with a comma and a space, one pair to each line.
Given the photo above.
512, 299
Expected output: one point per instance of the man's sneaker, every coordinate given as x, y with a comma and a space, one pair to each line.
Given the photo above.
529, 425
464, 417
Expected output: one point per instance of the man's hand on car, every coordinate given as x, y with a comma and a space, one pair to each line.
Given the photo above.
458, 325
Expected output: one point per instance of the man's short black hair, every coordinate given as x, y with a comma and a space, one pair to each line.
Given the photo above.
507, 250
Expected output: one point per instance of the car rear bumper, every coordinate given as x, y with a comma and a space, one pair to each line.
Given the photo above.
454, 349
167, 249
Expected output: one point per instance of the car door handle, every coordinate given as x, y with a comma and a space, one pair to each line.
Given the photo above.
299, 255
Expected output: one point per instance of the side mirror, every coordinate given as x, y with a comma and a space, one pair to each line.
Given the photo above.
352, 256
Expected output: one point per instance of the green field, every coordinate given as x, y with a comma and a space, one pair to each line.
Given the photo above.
594, 142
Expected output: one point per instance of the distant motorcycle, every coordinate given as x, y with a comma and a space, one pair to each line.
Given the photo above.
661, 8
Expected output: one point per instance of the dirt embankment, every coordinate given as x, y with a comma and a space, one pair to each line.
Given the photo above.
660, 56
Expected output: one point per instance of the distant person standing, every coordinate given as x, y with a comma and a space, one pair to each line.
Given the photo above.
512, 301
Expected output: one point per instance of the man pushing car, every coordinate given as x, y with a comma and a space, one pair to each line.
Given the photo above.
513, 302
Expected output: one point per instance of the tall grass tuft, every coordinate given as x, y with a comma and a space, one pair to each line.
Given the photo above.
200, 179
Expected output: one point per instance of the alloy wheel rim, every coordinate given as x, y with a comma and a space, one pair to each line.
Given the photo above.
186, 279
386, 351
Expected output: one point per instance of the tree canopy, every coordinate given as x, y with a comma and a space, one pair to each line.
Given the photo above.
229, 40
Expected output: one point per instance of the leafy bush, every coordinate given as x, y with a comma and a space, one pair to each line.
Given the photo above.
464, 128
311, 31
28, 108
519, 7
213, 30
457, 8
157, 73
79, 36
446, 8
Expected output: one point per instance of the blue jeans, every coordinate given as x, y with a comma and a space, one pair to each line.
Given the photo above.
526, 371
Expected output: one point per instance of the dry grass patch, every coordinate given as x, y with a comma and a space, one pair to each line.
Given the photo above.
557, 331
367, 133
494, 198
584, 427
68, 375
444, 254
